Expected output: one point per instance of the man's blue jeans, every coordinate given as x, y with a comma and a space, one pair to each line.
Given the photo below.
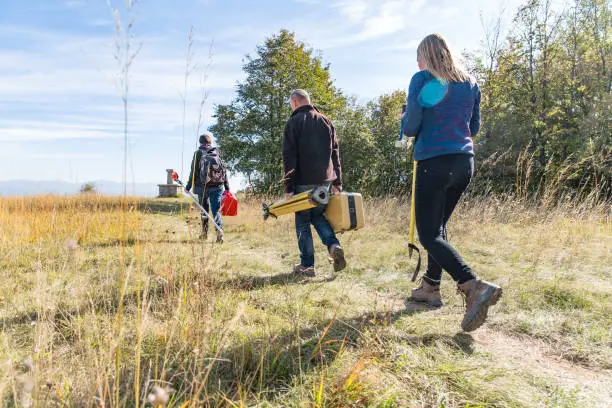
316, 217
212, 195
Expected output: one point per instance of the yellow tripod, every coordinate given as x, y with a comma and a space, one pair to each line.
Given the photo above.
299, 202
411, 244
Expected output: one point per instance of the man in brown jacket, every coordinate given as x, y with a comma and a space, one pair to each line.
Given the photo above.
311, 158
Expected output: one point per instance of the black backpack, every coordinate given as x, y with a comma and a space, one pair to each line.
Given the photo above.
212, 169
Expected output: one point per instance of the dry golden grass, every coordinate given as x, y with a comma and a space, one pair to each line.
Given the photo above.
104, 303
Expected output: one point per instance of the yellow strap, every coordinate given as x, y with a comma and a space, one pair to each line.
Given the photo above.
195, 155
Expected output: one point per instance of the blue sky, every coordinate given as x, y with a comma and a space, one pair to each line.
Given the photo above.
60, 110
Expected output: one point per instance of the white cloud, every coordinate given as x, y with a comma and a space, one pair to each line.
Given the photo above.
77, 89
355, 11
101, 22
401, 46
58, 85
75, 3
375, 19
48, 131
146, 120
53, 156
388, 21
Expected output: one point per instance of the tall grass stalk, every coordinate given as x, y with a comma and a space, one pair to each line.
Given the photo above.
188, 71
273, 354
224, 338
139, 314
204, 92
125, 55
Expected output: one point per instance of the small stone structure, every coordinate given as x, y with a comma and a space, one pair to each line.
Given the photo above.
170, 189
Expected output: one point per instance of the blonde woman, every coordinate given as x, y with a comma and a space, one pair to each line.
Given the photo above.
443, 114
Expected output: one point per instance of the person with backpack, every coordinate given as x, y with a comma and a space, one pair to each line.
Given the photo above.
443, 114
208, 176
311, 158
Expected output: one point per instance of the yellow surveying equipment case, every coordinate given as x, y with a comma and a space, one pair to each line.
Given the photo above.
345, 212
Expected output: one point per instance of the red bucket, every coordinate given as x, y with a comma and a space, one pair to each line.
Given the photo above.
229, 204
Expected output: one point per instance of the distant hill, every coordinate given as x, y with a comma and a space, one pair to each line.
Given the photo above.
29, 187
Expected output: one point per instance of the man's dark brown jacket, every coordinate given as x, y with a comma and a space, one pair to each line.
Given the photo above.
310, 150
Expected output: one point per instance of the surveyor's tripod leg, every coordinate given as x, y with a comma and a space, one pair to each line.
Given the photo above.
206, 206
190, 194
411, 244
203, 199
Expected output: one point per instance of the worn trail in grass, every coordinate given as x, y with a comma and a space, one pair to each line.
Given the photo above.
531, 352
231, 323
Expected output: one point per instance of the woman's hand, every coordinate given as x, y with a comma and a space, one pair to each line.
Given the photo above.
406, 142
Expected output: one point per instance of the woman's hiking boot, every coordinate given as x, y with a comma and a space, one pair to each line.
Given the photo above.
336, 256
427, 293
219, 237
479, 295
300, 270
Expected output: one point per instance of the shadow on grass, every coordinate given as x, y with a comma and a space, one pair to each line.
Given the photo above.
274, 360
274, 363
107, 303
129, 242
259, 282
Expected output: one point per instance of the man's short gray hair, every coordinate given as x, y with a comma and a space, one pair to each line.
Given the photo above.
300, 94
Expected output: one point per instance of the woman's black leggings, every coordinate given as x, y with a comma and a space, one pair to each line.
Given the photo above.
440, 183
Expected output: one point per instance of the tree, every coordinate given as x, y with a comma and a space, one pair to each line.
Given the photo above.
250, 129
357, 150
88, 188
545, 100
392, 166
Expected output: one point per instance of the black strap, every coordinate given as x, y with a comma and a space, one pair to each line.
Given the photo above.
352, 211
415, 274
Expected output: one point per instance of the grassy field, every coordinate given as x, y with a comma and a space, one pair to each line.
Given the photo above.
104, 303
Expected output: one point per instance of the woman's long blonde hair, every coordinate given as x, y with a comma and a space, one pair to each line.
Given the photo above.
434, 52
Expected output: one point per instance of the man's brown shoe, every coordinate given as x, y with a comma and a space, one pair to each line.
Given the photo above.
336, 256
300, 270
427, 293
479, 295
